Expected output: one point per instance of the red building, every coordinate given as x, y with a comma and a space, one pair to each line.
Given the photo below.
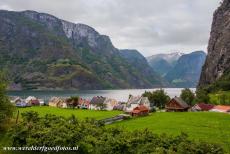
140, 110
176, 105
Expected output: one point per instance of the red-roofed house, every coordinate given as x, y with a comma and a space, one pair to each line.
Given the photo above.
221, 108
140, 110
202, 107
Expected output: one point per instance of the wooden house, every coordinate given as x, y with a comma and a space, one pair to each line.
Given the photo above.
110, 103
57, 102
33, 101
176, 105
202, 107
83, 103
97, 103
135, 101
140, 110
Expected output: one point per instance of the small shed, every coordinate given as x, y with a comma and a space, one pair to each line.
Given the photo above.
140, 111
176, 105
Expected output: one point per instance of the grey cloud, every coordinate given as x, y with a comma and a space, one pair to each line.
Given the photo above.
150, 26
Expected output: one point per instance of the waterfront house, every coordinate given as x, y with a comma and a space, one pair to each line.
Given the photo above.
202, 107
21, 104
33, 101
140, 110
58, 102
83, 103
135, 101
176, 105
110, 103
97, 103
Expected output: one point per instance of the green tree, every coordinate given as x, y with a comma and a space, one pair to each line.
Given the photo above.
187, 95
6, 108
73, 101
202, 96
157, 98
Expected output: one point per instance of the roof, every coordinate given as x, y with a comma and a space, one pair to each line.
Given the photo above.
223, 108
140, 108
138, 100
97, 100
205, 107
181, 102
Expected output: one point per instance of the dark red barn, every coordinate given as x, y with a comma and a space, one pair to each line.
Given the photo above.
176, 105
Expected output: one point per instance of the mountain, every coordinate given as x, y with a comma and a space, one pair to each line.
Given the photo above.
187, 70
216, 70
137, 60
163, 63
41, 51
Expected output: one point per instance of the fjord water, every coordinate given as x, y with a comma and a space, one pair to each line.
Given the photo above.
120, 95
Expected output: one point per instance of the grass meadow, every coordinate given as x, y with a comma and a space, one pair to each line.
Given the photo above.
204, 126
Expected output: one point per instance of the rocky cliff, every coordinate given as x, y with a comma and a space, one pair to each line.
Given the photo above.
41, 51
217, 64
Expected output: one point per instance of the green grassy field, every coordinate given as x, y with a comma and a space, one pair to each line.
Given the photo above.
204, 126
80, 114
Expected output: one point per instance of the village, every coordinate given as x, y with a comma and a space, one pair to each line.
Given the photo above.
135, 105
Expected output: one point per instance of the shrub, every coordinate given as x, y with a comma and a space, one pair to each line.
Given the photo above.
91, 137
6, 108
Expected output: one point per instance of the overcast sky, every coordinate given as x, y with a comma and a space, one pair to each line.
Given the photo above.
150, 26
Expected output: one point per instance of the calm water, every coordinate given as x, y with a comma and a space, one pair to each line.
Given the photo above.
120, 95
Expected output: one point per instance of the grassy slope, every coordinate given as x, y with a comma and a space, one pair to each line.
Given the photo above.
81, 114
205, 126
217, 98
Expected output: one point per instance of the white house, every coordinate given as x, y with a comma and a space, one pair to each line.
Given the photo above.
135, 101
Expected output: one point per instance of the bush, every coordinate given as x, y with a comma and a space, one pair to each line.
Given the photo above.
91, 137
6, 108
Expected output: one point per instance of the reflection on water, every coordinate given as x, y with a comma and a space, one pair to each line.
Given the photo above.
120, 95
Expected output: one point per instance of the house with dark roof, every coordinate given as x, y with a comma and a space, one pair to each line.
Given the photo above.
176, 105
97, 103
202, 107
102, 103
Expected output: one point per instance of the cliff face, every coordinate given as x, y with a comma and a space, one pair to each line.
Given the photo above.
44, 52
217, 63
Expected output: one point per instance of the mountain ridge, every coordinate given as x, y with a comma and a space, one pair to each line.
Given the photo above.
56, 54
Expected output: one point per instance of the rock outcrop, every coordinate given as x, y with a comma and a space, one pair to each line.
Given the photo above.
217, 64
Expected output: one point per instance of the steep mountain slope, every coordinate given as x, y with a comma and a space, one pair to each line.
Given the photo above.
216, 69
134, 58
163, 63
43, 52
187, 70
